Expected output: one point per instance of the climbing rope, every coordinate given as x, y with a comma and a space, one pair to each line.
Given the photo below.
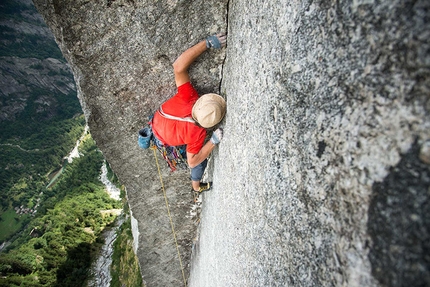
170, 217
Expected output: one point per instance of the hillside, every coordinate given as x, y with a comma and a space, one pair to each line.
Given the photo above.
32, 68
322, 177
39, 112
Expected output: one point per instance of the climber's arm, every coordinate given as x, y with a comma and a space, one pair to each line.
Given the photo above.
195, 159
183, 62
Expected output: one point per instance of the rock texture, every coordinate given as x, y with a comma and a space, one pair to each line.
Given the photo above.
323, 176
121, 53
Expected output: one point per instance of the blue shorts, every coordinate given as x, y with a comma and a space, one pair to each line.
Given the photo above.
197, 172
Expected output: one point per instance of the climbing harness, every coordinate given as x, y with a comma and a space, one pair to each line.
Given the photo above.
170, 217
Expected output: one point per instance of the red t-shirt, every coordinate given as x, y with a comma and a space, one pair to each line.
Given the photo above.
174, 132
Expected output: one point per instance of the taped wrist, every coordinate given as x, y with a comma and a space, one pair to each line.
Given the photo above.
214, 139
213, 42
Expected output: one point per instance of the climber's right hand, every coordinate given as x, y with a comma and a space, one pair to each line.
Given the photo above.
216, 41
217, 136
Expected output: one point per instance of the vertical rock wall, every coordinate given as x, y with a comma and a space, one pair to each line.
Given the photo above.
323, 176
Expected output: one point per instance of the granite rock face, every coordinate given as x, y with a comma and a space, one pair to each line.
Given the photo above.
121, 54
326, 135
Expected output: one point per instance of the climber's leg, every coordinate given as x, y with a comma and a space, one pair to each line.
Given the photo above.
197, 174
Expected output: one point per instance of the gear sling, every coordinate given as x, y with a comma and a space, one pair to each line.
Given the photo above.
175, 156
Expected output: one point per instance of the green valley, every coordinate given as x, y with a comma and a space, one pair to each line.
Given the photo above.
51, 222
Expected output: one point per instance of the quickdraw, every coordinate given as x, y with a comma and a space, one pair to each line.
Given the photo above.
173, 156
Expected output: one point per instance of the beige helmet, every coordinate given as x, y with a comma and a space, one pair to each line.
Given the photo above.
209, 110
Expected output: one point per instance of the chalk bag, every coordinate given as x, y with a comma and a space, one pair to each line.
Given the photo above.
144, 139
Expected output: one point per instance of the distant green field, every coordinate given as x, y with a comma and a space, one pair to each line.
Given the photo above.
10, 223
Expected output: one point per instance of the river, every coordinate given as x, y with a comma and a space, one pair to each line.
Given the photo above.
111, 189
100, 269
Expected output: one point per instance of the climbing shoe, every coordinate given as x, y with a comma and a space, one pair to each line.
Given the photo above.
204, 186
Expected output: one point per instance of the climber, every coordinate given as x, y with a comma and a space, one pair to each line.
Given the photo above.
184, 118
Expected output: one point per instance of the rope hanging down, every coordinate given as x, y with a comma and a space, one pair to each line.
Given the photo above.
170, 217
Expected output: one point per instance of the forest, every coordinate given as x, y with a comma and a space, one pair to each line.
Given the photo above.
57, 246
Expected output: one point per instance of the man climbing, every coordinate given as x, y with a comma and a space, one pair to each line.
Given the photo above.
184, 118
